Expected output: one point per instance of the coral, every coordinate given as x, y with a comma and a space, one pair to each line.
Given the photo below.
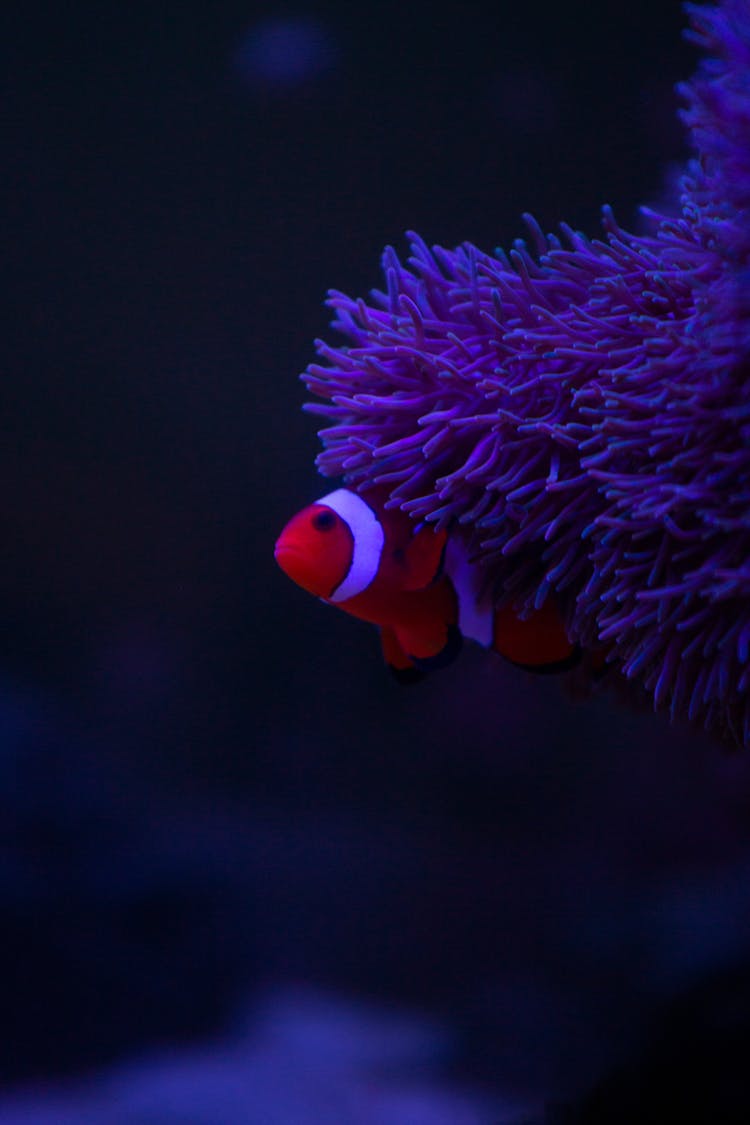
579, 410
301, 1058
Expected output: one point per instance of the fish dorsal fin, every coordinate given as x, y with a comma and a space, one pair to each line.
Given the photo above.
424, 555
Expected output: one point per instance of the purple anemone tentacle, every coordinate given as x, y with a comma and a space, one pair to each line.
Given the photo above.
580, 409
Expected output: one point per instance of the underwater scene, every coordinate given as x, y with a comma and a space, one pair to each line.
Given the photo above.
375, 743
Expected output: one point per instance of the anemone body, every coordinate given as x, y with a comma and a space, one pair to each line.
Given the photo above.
579, 411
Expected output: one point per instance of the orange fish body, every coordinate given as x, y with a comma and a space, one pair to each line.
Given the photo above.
417, 586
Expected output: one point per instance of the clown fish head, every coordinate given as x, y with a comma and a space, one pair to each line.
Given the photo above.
332, 548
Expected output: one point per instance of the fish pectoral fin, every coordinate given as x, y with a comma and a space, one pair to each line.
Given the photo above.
430, 645
424, 555
401, 667
539, 643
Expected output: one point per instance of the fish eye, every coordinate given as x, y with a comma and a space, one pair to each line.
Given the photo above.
324, 521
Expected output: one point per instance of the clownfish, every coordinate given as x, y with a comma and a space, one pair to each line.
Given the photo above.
417, 585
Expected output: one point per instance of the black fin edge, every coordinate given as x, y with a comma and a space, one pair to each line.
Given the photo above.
406, 676
447, 654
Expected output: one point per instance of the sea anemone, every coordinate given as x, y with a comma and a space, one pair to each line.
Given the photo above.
579, 411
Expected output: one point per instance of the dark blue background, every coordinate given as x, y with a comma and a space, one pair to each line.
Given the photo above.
208, 783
